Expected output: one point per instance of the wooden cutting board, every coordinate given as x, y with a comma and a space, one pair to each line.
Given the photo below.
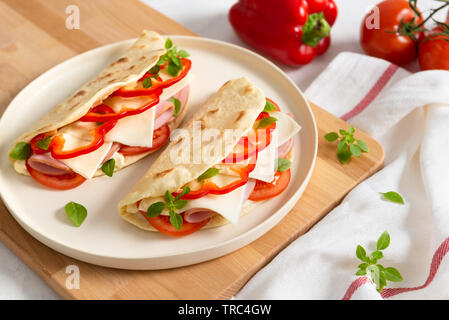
33, 38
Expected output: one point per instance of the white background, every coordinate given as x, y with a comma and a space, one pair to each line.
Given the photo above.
209, 19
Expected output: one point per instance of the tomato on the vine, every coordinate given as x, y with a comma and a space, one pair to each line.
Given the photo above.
386, 42
434, 49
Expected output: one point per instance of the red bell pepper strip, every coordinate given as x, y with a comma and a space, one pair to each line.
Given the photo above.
122, 92
208, 187
297, 30
250, 148
96, 114
57, 143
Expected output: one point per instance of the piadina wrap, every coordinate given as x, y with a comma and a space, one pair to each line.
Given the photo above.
126, 70
235, 106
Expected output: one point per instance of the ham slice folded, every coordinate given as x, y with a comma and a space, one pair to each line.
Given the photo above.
44, 163
284, 149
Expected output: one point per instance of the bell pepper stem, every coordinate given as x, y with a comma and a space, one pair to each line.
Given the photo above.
315, 29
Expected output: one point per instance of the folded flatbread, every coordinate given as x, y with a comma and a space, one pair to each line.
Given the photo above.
124, 72
236, 106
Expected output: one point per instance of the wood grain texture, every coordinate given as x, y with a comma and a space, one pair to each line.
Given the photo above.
33, 38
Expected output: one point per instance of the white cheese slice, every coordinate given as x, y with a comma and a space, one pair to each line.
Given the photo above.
228, 205
286, 126
87, 164
266, 158
136, 131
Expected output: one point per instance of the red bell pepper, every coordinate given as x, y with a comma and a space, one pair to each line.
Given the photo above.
293, 32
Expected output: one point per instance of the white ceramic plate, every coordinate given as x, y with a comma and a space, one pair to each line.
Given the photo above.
104, 238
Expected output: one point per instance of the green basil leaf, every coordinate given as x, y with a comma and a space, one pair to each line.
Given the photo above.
76, 212
360, 253
176, 221
343, 132
384, 241
355, 150
155, 209
183, 54
185, 190
351, 130
393, 196
269, 107
391, 274
283, 164
331, 136
161, 60
177, 61
344, 156
168, 197
376, 255
173, 69
147, 83
168, 43
342, 146
209, 173
179, 204
363, 266
108, 167
155, 70
177, 105
44, 143
265, 122
361, 272
21, 151
362, 144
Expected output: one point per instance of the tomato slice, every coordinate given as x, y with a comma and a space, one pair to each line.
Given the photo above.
64, 182
162, 224
266, 190
160, 137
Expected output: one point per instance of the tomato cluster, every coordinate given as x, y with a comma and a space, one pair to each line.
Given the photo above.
395, 31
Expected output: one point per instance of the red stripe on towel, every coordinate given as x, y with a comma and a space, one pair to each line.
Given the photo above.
373, 93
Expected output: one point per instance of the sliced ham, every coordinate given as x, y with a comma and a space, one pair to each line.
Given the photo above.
196, 215
284, 149
44, 163
164, 109
114, 148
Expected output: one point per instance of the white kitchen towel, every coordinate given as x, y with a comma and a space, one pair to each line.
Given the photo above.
409, 115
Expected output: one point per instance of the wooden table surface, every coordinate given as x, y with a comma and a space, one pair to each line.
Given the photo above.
33, 38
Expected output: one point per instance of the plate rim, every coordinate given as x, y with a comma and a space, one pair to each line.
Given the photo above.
245, 238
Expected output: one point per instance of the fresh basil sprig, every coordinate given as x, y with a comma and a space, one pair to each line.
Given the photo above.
393, 196
347, 145
76, 212
209, 173
177, 105
21, 151
283, 164
108, 167
172, 204
379, 274
173, 58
